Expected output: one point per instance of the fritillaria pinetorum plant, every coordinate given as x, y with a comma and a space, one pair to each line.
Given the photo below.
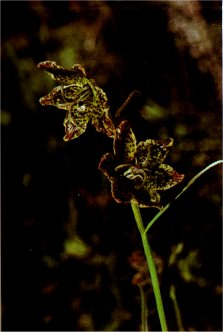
137, 171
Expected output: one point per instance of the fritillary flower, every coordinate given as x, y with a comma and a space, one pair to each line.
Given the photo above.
80, 97
137, 171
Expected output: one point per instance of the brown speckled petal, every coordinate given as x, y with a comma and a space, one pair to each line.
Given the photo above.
75, 122
108, 125
62, 75
107, 165
166, 177
103, 123
162, 178
125, 193
152, 152
55, 98
121, 191
124, 143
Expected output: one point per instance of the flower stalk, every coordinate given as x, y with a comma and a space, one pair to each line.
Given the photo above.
144, 309
176, 308
151, 266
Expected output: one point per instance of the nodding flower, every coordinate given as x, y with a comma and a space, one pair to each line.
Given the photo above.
136, 171
80, 97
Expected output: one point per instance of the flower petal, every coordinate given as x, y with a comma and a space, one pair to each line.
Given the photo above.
152, 152
124, 191
108, 125
121, 191
55, 98
100, 98
63, 75
75, 122
163, 178
148, 198
124, 143
107, 165
103, 124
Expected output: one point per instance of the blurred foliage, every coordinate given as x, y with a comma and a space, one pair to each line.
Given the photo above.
65, 242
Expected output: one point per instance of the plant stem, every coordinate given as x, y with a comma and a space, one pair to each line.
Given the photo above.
125, 104
178, 196
144, 309
176, 308
151, 266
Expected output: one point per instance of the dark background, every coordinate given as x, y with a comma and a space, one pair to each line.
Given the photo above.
65, 242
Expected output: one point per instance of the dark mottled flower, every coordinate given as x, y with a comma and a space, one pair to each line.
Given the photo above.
136, 171
80, 97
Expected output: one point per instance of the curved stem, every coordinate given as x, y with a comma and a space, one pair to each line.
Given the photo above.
181, 193
125, 104
151, 266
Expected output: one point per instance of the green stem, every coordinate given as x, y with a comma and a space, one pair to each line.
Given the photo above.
176, 308
181, 193
144, 309
151, 266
